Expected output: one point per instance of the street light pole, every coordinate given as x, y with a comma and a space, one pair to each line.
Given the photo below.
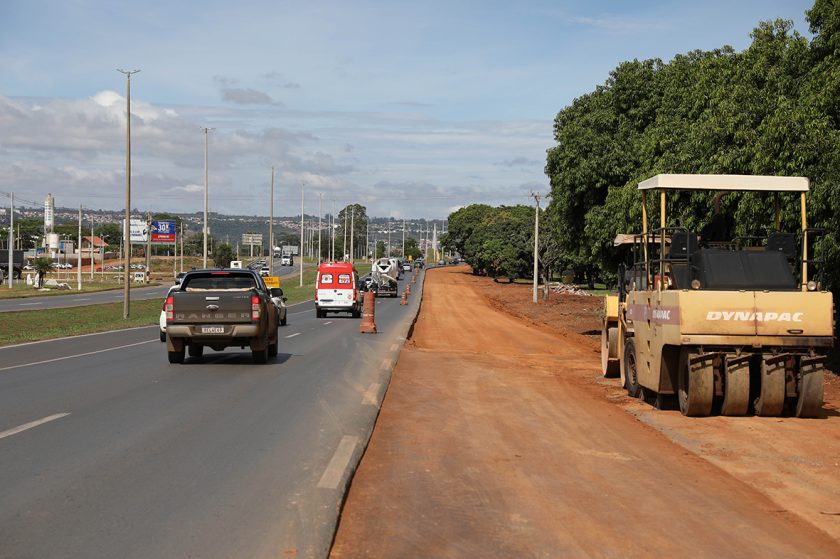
536, 242
300, 249
127, 226
271, 226
320, 201
352, 229
403, 249
11, 267
79, 261
206, 134
332, 232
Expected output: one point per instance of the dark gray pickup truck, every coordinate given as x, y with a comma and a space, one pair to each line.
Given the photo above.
219, 309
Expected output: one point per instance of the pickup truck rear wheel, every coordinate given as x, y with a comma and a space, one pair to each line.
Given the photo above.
283, 321
196, 350
260, 355
176, 356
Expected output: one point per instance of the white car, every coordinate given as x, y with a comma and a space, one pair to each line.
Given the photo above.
280, 303
265, 271
162, 322
286, 260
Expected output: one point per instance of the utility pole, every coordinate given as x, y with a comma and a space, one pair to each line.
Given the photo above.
388, 251
79, 262
91, 249
300, 250
206, 134
403, 249
271, 225
127, 227
536, 196
320, 202
332, 232
182, 245
434, 243
352, 229
367, 238
11, 267
148, 244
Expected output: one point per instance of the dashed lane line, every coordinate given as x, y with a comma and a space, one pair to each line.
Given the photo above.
340, 460
293, 335
370, 394
31, 424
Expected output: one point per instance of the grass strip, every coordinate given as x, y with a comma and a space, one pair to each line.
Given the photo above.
31, 326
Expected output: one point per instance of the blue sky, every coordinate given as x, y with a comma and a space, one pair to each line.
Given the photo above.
412, 109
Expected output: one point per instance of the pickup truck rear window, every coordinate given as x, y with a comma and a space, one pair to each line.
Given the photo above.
221, 282
344, 279
326, 278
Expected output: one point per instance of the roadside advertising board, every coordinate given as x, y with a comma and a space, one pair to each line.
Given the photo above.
290, 250
272, 281
164, 231
139, 231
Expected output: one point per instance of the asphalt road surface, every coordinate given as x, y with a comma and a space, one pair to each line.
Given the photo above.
80, 299
110, 451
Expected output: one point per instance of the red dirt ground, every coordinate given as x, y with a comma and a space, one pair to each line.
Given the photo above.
499, 438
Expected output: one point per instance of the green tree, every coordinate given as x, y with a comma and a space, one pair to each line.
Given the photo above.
223, 254
43, 265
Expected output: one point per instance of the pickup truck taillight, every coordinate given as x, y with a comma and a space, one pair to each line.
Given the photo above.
255, 307
168, 306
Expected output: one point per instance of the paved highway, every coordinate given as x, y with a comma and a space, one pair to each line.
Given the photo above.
81, 299
110, 451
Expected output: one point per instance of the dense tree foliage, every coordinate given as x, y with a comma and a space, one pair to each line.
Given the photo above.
773, 109
498, 242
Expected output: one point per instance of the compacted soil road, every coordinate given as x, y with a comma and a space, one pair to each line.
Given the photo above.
497, 438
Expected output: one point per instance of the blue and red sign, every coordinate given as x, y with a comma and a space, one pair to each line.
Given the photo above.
164, 231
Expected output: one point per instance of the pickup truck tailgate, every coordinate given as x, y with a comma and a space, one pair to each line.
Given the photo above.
217, 307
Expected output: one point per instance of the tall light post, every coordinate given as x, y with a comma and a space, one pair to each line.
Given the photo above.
79, 261
403, 248
206, 134
300, 250
536, 242
11, 267
271, 226
320, 202
332, 232
127, 226
352, 229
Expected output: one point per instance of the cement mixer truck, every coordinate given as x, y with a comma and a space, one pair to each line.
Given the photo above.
383, 276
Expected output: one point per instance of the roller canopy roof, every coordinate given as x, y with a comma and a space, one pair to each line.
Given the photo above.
726, 182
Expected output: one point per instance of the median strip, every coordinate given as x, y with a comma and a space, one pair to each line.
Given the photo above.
31, 424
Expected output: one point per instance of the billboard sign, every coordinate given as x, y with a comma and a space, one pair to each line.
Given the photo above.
163, 231
139, 231
290, 250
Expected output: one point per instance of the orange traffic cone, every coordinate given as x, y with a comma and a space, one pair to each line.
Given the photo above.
368, 325
408, 289
404, 300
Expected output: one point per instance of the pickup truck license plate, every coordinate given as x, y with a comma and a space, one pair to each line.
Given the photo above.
212, 329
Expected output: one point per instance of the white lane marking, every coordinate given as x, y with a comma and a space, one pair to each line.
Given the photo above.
386, 364
395, 347
370, 394
28, 304
293, 335
82, 299
78, 336
340, 460
330, 322
76, 355
31, 424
